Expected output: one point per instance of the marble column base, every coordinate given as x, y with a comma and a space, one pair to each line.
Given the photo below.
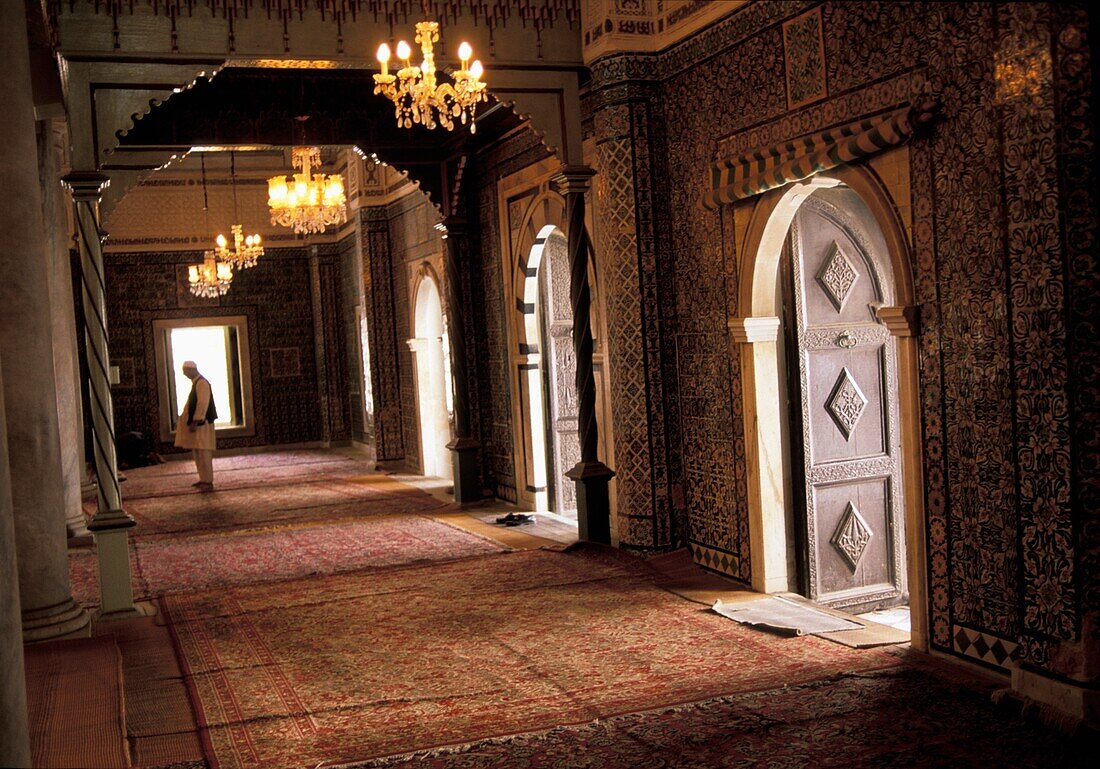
467, 471
79, 536
112, 540
66, 619
593, 501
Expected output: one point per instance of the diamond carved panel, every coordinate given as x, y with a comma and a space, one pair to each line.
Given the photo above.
852, 536
846, 403
837, 276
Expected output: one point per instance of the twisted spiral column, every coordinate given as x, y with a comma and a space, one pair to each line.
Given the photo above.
111, 522
591, 475
464, 446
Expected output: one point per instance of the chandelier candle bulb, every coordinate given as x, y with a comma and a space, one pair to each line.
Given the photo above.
384, 58
464, 54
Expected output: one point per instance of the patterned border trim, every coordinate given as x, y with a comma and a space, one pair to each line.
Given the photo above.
716, 560
982, 646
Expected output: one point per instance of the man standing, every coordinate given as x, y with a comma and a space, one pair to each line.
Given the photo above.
195, 428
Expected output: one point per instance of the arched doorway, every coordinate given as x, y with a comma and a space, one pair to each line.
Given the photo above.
547, 377
831, 415
434, 405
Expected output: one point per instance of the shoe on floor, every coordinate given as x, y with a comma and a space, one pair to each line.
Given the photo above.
204, 486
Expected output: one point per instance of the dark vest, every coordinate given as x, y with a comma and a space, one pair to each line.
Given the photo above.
193, 401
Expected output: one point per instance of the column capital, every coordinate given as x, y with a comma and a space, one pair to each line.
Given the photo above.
456, 225
901, 320
573, 179
86, 185
750, 330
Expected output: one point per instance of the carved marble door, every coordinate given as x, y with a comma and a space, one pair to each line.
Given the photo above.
847, 394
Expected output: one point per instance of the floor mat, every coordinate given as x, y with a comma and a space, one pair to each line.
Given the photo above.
496, 645
75, 703
777, 615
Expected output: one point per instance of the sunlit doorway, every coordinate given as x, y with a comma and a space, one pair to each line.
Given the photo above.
432, 380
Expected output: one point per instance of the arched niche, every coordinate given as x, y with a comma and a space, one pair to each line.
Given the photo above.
764, 377
432, 376
542, 360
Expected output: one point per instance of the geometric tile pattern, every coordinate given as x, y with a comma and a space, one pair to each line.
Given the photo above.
1005, 558
983, 646
846, 403
837, 276
617, 251
716, 560
852, 536
804, 52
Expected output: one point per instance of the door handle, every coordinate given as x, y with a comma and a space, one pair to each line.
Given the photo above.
846, 340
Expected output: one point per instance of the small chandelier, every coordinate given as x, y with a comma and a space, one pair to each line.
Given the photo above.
246, 251
210, 279
312, 201
414, 92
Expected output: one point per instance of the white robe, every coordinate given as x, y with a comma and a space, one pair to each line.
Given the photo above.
202, 437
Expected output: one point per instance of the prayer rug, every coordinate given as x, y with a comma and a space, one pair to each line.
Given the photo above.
344, 668
168, 565
894, 718
74, 703
261, 505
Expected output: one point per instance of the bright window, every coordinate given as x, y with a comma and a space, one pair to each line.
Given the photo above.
210, 347
219, 347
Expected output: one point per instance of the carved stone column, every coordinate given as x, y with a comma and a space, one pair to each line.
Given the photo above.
111, 523
591, 475
14, 741
53, 136
26, 349
464, 447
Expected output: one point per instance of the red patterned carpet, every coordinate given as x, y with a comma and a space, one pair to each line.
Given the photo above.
888, 719
344, 668
263, 504
231, 473
169, 565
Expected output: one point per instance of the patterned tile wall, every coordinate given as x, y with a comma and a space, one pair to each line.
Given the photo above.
275, 297
490, 395
385, 354
1004, 280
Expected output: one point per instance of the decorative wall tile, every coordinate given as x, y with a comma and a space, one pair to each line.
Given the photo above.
274, 297
804, 53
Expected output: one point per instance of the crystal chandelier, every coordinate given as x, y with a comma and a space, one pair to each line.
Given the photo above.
246, 251
414, 91
210, 279
312, 201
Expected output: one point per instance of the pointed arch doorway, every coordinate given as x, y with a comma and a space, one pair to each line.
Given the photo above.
547, 377
434, 405
831, 412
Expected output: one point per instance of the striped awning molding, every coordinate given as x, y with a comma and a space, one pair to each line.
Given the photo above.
752, 173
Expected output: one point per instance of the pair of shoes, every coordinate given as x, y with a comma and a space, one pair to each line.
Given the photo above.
517, 520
